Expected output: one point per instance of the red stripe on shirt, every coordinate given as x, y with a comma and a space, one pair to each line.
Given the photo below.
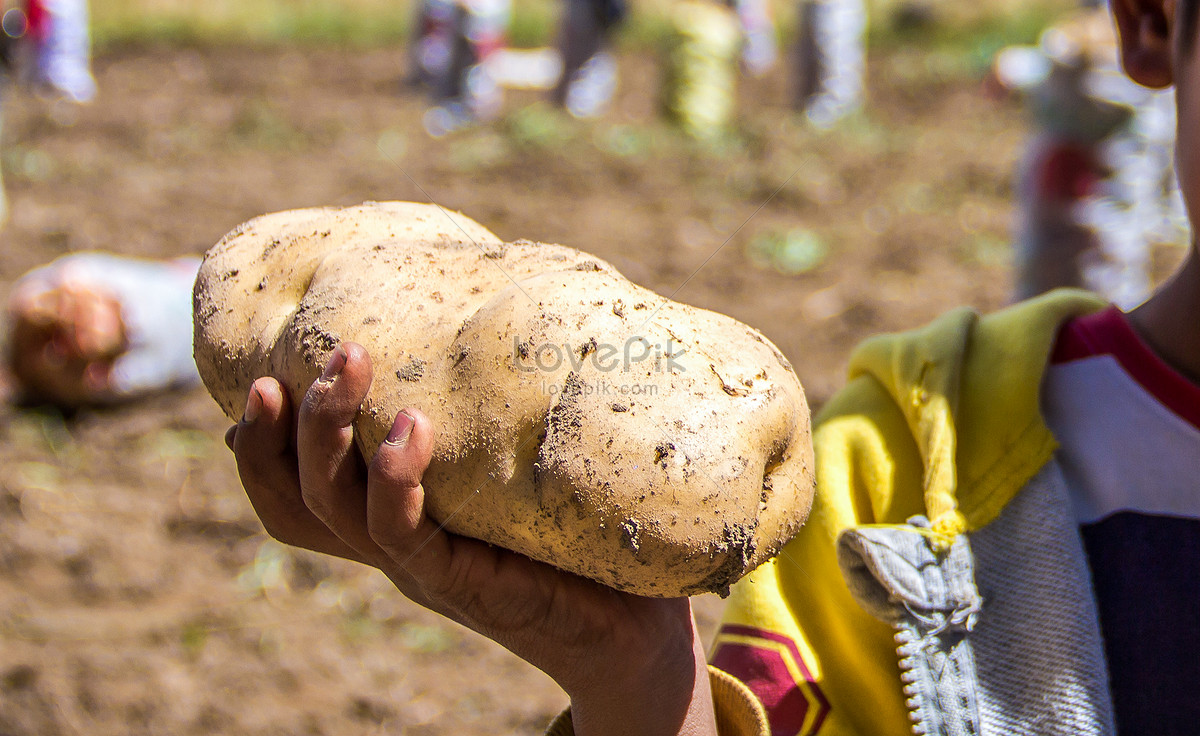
1109, 332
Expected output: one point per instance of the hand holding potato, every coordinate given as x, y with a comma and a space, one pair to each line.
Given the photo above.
630, 664
583, 421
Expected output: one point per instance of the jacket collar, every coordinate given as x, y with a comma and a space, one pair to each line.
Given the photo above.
969, 388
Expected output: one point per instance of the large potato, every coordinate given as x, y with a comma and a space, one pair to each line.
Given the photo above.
582, 420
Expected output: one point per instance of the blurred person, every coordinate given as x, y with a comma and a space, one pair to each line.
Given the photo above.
589, 69
433, 34
1005, 536
58, 50
455, 41
830, 54
45, 46
1096, 186
94, 328
760, 49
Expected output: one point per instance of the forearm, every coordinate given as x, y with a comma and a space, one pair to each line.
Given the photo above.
666, 695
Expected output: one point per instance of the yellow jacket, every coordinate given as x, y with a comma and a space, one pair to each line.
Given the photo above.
942, 422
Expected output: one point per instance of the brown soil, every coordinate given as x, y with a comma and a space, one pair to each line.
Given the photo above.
138, 594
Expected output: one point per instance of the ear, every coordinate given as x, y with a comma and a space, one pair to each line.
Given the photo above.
1144, 29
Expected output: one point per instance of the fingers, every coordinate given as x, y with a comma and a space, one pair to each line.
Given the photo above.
331, 472
317, 494
416, 546
266, 461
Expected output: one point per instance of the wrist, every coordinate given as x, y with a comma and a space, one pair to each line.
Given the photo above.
655, 685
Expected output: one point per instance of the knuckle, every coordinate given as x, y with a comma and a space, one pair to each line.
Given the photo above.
283, 519
453, 588
386, 536
395, 468
317, 504
403, 548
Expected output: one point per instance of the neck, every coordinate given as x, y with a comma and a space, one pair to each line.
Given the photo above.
1170, 320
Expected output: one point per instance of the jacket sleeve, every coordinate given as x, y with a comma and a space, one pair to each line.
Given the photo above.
739, 713
791, 630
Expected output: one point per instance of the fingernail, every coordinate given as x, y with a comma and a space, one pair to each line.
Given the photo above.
401, 429
254, 405
336, 363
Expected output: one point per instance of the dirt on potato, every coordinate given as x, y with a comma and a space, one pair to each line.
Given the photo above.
138, 592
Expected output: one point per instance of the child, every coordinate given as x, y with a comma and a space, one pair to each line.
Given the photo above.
1005, 537
93, 328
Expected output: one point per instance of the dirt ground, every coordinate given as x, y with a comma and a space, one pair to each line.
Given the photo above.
138, 593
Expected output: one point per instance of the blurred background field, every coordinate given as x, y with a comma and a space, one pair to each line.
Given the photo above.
365, 23
138, 593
